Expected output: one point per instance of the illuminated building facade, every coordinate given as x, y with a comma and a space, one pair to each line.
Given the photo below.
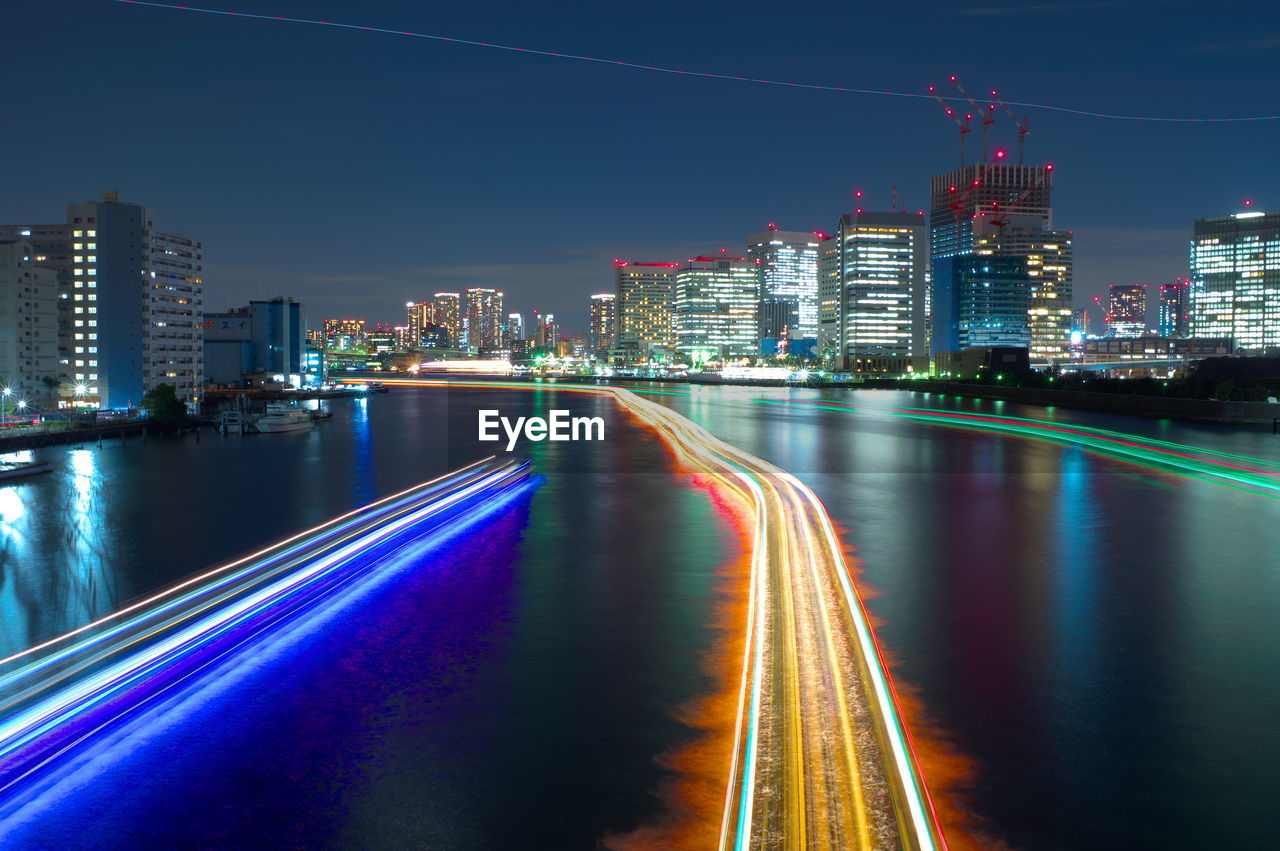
965, 204
1175, 309
28, 325
446, 313
1235, 279
1127, 310
788, 262
419, 318
546, 334
603, 322
1141, 351
993, 299
1080, 321
485, 317
131, 301
715, 310
343, 334
643, 294
515, 328
873, 273
1049, 259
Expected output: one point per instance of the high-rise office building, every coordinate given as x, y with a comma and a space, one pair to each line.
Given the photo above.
1235, 279
1127, 310
515, 328
643, 304
1175, 308
446, 313
131, 301
28, 326
420, 317
714, 313
546, 332
873, 274
484, 319
1080, 321
993, 297
1049, 275
966, 203
788, 262
603, 322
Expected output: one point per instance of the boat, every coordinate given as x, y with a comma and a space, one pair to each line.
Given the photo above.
17, 471
281, 417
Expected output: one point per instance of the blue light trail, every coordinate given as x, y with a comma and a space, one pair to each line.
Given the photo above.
70, 692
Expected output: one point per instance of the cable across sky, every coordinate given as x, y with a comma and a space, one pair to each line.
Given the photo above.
707, 74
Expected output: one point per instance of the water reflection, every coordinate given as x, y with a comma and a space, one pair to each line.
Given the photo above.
55, 568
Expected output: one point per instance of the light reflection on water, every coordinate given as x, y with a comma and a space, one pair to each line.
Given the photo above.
55, 561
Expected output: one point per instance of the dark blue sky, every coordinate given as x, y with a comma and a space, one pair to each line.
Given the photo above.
356, 171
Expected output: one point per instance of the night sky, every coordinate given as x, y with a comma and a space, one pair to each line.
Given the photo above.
356, 171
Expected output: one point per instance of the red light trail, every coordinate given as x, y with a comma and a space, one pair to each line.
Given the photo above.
706, 74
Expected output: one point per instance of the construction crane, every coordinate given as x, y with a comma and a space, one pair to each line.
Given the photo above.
1106, 316
999, 215
988, 116
951, 113
959, 201
1021, 124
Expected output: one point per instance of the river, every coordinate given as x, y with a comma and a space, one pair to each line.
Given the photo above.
1098, 638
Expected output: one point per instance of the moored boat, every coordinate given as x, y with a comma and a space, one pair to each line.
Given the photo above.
281, 417
17, 471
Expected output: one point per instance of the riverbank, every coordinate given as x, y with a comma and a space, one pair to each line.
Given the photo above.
89, 434
1264, 414
1205, 411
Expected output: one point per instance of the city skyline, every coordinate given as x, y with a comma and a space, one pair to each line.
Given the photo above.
590, 179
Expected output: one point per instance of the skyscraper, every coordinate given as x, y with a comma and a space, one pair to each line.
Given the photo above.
788, 262
1235, 279
1175, 308
131, 301
643, 304
1049, 259
484, 319
515, 328
547, 332
446, 312
419, 319
1080, 321
965, 204
714, 313
993, 298
873, 291
603, 322
1127, 310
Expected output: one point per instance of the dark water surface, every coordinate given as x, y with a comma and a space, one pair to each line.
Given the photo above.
510, 690
1102, 638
